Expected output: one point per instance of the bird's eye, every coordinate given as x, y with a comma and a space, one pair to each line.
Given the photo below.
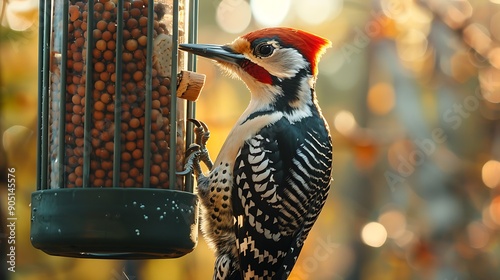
264, 50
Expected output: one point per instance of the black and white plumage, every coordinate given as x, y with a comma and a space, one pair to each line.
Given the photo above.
272, 176
280, 176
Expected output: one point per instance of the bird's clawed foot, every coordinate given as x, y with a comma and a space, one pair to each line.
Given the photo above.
202, 134
197, 152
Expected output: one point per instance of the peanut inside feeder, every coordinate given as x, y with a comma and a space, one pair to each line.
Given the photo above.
111, 133
105, 48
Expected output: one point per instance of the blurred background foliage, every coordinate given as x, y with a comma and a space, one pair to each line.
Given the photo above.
411, 90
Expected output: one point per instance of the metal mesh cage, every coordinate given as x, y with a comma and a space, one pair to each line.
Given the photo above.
112, 132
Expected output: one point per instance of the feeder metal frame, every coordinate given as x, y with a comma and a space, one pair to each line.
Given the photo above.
62, 223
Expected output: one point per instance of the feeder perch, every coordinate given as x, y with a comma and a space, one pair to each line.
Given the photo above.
112, 130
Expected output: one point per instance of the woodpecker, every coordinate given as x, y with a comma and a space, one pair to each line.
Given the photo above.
272, 176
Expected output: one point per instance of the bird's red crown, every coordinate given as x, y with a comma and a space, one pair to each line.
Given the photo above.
309, 45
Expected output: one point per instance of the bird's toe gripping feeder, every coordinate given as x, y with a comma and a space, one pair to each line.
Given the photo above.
111, 135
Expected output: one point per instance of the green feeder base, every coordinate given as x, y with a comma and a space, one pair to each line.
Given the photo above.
114, 223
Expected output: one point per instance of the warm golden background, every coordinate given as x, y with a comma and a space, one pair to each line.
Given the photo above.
411, 90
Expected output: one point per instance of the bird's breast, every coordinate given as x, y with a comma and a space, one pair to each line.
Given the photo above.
241, 132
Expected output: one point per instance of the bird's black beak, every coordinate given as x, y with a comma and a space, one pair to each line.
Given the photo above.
215, 52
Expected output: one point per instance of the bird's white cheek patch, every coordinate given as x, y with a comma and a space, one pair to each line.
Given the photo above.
284, 63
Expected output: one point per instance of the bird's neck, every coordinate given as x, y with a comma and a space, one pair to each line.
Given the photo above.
294, 98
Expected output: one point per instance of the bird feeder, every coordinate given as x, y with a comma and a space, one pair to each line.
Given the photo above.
112, 130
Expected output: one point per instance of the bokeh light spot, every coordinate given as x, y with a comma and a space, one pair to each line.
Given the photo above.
381, 98
374, 234
412, 45
478, 37
458, 13
490, 84
495, 210
16, 137
491, 173
270, 13
399, 10
494, 57
394, 222
495, 26
405, 239
21, 15
233, 16
400, 155
315, 12
478, 235
345, 123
